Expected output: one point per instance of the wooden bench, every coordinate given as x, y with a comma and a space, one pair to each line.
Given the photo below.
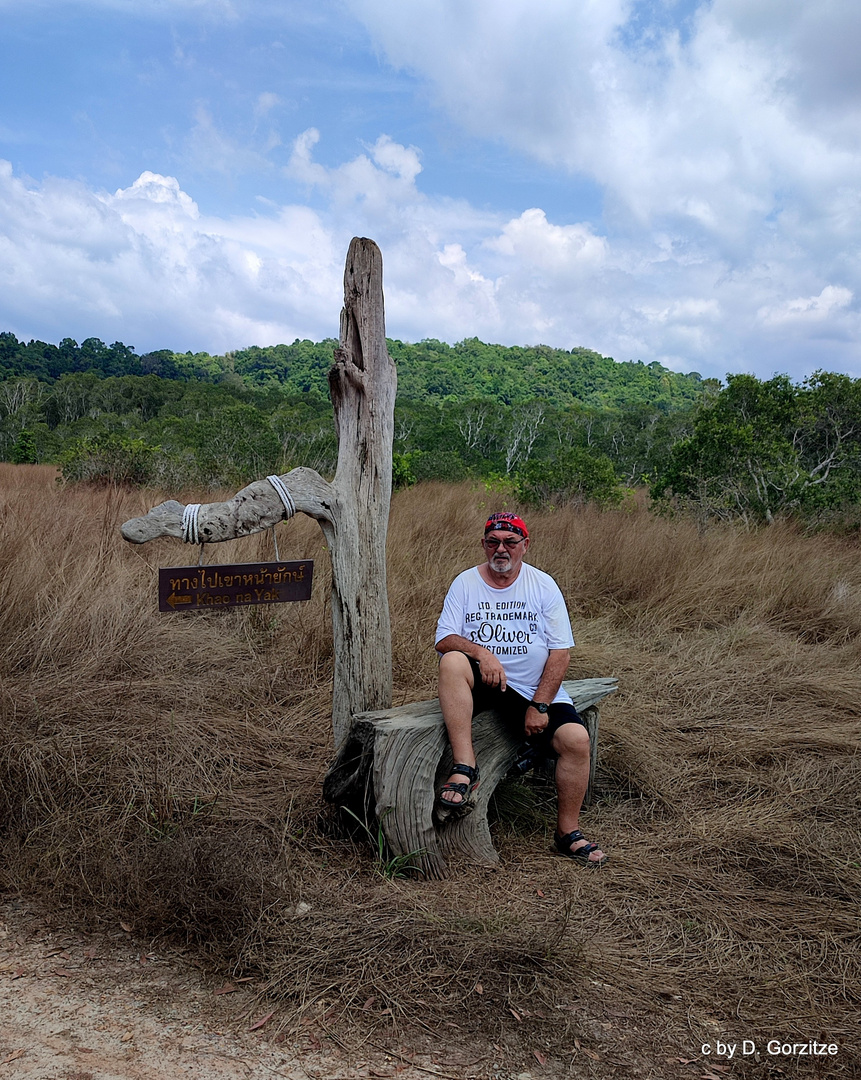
395, 760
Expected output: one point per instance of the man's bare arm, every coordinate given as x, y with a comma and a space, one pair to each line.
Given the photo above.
492, 671
548, 687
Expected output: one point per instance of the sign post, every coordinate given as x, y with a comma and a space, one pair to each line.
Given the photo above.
352, 509
207, 588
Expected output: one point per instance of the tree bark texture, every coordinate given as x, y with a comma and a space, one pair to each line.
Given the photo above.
352, 510
395, 761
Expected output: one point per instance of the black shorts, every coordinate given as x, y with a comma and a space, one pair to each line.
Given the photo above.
512, 707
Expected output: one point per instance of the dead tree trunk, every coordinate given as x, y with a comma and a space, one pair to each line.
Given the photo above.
396, 760
352, 510
363, 384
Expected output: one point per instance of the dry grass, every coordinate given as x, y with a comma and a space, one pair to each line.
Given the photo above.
168, 769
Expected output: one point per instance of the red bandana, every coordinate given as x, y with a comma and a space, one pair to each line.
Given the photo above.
503, 520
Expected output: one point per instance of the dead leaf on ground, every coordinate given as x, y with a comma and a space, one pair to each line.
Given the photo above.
12, 1057
539, 1057
126, 1036
19, 973
263, 1020
126, 927
368, 1003
64, 973
543, 895
228, 988
516, 1015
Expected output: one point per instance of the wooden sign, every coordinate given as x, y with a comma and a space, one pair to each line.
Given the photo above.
213, 588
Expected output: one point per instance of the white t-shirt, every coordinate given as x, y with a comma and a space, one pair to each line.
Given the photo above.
519, 624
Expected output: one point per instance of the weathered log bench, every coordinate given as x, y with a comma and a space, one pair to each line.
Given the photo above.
395, 760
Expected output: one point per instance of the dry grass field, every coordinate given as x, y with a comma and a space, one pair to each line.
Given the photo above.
167, 769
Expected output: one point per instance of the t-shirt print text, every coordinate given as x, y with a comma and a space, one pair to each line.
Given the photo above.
495, 630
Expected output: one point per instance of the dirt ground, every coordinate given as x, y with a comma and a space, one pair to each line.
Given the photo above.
106, 1005
78, 1005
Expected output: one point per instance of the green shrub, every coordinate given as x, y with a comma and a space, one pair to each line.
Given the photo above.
108, 459
402, 469
575, 475
24, 451
444, 465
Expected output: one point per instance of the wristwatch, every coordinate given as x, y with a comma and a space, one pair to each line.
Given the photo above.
541, 706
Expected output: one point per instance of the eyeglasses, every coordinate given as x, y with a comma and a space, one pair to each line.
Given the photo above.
510, 544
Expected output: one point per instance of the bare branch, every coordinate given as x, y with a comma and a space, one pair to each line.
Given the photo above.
257, 506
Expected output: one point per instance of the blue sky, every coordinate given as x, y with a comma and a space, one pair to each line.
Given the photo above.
664, 180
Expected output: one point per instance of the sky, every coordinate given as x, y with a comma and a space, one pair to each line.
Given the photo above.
659, 180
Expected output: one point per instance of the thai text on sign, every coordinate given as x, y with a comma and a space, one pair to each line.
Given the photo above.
208, 588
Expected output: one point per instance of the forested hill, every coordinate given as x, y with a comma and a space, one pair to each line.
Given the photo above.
430, 371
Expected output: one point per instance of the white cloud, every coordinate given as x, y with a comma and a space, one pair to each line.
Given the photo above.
265, 103
158, 192
147, 265
728, 156
400, 161
809, 309
689, 310
713, 128
533, 240
143, 265
207, 149
386, 178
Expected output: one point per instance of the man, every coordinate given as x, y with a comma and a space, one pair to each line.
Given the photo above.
505, 638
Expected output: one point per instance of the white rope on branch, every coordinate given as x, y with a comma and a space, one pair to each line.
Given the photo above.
286, 497
190, 524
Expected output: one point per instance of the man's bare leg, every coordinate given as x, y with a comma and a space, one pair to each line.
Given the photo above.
571, 743
456, 681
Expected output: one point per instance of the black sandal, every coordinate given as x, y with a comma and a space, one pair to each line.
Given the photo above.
464, 790
563, 846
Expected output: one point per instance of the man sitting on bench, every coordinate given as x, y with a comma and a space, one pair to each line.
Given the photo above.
505, 638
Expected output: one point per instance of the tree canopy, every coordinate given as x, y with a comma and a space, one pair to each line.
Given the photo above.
560, 426
760, 450
429, 371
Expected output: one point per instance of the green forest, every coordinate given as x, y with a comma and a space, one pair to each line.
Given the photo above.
555, 426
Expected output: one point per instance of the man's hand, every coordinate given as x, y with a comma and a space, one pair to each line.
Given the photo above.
492, 672
535, 721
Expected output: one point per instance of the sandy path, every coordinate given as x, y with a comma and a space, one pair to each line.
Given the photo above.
77, 1006
109, 1006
